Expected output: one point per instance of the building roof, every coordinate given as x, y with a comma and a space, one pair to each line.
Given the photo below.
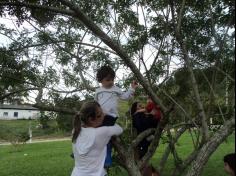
18, 107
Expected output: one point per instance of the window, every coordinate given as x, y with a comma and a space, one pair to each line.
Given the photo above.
15, 114
5, 114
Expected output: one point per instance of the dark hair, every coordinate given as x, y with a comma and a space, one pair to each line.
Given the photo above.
230, 160
104, 72
133, 108
87, 111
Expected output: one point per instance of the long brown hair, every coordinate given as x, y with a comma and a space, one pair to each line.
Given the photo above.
87, 111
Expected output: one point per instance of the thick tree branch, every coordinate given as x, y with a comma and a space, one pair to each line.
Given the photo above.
181, 14
168, 149
185, 164
141, 136
16, 92
62, 41
127, 158
120, 149
173, 150
38, 6
39, 97
52, 108
210, 147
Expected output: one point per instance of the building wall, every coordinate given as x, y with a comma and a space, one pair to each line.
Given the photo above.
12, 114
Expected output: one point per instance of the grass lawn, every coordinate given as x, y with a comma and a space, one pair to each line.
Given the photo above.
53, 159
44, 159
18, 126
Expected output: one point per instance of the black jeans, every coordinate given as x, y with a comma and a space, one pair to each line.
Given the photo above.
143, 148
109, 121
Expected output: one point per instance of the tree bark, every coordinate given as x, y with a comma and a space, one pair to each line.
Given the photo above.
168, 149
15, 92
210, 147
52, 108
127, 158
38, 6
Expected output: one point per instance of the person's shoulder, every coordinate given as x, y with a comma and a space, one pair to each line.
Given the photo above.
99, 89
88, 130
107, 128
116, 89
101, 131
86, 133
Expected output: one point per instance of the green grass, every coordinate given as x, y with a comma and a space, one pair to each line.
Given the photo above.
215, 166
19, 126
53, 159
44, 159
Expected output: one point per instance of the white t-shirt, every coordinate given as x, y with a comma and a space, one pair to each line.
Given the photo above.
108, 99
90, 150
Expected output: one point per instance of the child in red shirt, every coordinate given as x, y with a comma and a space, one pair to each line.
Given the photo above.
153, 109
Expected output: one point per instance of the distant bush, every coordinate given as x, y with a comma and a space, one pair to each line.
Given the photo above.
15, 137
44, 119
64, 122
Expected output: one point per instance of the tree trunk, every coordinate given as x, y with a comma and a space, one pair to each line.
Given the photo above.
210, 147
189, 64
132, 168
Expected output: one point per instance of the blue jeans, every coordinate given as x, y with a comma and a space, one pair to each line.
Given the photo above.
108, 161
109, 121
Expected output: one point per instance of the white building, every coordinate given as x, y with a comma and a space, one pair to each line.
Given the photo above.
14, 112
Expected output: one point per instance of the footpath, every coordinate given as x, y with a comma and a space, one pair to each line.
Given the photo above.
40, 141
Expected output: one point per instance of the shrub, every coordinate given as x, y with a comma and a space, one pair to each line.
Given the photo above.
64, 122
44, 119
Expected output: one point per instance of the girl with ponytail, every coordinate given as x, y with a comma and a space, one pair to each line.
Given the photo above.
90, 140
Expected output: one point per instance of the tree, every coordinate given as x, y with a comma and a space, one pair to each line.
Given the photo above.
198, 35
65, 121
